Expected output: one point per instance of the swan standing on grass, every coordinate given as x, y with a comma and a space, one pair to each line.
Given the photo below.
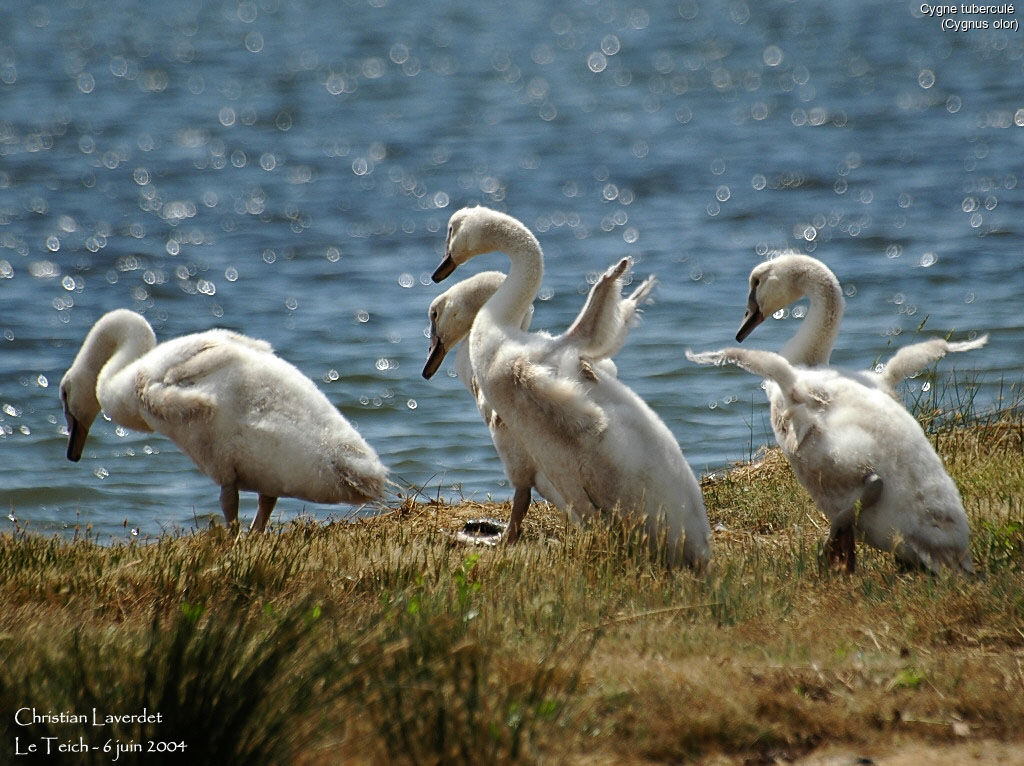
249, 420
598, 332
856, 450
601, 447
863, 459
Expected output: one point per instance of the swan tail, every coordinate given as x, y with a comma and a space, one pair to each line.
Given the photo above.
563, 403
915, 357
763, 363
362, 476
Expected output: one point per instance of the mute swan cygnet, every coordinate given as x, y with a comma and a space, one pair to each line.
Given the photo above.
776, 283
863, 459
600, 328
850, 442
601, 447
249, 420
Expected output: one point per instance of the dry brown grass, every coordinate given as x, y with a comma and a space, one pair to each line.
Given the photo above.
384, 639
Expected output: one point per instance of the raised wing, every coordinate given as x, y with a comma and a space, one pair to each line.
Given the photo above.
600, 329
914, 358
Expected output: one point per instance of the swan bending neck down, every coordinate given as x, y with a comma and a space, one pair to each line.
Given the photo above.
597, 333
776, 283
249, 420
863, 459
601, 447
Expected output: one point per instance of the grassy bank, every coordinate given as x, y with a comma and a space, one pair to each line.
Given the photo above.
384, 639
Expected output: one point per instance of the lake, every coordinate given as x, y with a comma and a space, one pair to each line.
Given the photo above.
286, 169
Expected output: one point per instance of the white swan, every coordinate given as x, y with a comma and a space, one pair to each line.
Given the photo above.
600, 328
826, 464
598, 443
863, 459
776, 283
249, 420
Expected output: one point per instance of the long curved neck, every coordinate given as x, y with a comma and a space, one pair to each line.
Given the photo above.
511, 302
812, 344
116, 341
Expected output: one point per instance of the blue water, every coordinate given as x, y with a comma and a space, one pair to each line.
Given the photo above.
286, 168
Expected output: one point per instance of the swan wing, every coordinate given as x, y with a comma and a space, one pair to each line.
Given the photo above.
915, 357
763, 363
600, 329
175, 394
562, 402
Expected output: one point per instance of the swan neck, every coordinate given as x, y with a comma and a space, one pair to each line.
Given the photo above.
812, 344
114, 345
512, 301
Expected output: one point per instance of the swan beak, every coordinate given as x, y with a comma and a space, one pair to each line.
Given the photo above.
751, 319
434, 357
445, 269
76, 439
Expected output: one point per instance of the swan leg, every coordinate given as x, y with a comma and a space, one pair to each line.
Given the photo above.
873, 485
266, 507
520, 504
840, 548
229, 505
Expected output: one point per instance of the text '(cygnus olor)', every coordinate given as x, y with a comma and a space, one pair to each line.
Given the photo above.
249, 420
597, 442
598, 332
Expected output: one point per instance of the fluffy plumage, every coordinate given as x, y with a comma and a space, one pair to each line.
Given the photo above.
249, 420
863, 459
856, 450
598, 443
598, 332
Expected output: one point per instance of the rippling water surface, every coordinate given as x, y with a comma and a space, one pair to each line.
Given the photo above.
286, 168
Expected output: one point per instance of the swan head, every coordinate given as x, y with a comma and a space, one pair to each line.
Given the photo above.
78, 398
473, 231
774, 285
452, 313
120, 332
